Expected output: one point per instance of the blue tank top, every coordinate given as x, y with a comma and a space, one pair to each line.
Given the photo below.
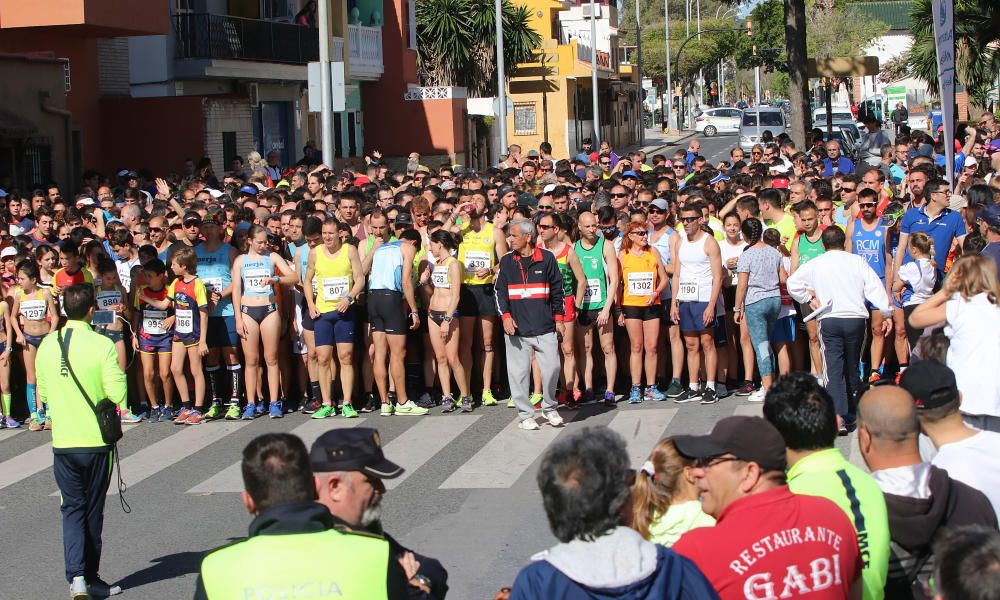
870, 245
303, 261
254, 272
214, 270
662, 246
387, 268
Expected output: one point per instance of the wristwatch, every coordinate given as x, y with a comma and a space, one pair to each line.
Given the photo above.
446, 319
350, 299
422, 580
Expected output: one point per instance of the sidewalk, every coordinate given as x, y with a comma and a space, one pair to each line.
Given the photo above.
657, 142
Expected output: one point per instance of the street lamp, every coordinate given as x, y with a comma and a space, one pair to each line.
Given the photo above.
593, 71
501, 92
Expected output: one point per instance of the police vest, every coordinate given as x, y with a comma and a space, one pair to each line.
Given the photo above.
324, 564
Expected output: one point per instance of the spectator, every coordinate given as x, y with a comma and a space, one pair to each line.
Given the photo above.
968, 564
802, 412
741, 476
923, 501
583, 479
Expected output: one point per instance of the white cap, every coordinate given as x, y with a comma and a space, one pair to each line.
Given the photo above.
85, 202
8, 251
215, 193
548, 189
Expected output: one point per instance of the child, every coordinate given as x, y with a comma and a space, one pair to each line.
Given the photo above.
916, 280
8, 272
47, 259
153, 327
6, 347
71, 271
37, 318
111, 296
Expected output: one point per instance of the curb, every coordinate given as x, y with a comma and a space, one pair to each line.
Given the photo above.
672, 142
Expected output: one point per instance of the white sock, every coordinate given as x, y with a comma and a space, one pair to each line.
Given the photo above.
694, 386
710, 385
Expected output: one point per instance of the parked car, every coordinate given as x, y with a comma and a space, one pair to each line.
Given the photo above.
841, 114
770, 119
847, 145
724, 119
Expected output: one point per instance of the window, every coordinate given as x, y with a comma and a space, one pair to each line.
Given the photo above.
411, 21
228, 147
67, 78
766, 118
38, 165
524, 118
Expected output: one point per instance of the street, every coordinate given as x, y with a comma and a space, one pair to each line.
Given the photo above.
468, 496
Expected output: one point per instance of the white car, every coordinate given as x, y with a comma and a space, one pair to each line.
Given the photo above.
724, 119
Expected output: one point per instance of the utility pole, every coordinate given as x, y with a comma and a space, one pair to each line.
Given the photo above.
593, 70
701, 72
325, 84
668, 109
638, 71
501, 90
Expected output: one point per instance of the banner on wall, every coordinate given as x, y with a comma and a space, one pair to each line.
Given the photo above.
944, 44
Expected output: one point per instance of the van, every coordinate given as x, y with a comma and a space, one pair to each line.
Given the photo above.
770, 119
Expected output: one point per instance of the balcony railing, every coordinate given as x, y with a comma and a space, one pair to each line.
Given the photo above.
236, 38
365, 48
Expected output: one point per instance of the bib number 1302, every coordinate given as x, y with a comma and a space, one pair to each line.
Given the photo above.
640, 284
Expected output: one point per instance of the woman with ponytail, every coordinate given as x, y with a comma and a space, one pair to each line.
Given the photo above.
758, 297
665, 502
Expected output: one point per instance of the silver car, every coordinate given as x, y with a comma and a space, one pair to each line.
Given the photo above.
755, 121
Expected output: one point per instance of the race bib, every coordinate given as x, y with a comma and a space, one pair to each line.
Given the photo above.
687, 291
107, 300
33, 310
184, 322
640, 284
335, 288
476, 260
439, 278
213, 285
254, 281
592, 295
152, 321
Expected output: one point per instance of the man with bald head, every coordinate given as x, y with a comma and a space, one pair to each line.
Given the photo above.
834, 162
922, 500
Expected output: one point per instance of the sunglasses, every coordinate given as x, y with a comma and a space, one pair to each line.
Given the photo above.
546, 227
604, 163
640, 233
656, 211
689, 219
679, 167
756, 153
867, 204
608, 227
155, 230
546, 170
847, 189
619, 195
545, 207
709, 462
642, 204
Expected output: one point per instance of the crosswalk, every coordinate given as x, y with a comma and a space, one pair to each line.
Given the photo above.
505, 454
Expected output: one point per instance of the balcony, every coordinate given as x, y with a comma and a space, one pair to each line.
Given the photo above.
365, 52
222, 37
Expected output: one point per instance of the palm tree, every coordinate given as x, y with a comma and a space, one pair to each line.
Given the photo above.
456, 42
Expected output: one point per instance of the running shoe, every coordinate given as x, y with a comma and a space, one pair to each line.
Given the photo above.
233, 411
757, 396
874, 377
675, 389
529, 425
182, 416
154, 414
466, 403
275, 410
386, 410
722, 391
410, 408
562, 397
609, 399
688, 395
536, 400
258, 407
573, 402
167, 414
347, 411
10, 423
709, 396
311, 407
100, 588
195, 418
130, 417
745, 389
588, 397
34, 423
426, 400
511, 403
447, 404
47, 426
325, 411
249, 412
635, 395
371, 403
214, 412
554, 418
78, 589
654, 393
488, 399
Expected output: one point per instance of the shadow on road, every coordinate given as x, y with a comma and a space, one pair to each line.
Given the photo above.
163, 568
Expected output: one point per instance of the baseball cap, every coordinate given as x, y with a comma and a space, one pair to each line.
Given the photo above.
660, 203
214, 193
85, 202
970, 161
504, 190
718, 178
250, 190
630, 175
957, 201
780, 182
8, 251
532, 153
893, 212
352, 449
3, 193
404, 218
990, 214
361, 180
931, 384
526, 199
548, 188
747, 438
191, 217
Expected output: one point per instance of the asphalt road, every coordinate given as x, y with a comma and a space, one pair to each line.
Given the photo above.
468, 496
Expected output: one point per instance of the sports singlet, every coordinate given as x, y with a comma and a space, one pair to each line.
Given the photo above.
124, 268
106, 299
387, 268
33, 307
439, 275
476, 252
871, 246
254, 273
151, 321
63, 279
188, 298
662, 246
595, 270
562, 259
333, 276
728, 250
639, 275
696, 271
809, 250
216, 273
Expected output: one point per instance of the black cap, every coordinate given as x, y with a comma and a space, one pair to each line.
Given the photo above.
926, 382
403, 219
747, 438
352, 449
191, 216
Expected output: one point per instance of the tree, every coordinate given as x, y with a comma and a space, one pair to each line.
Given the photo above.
456, 42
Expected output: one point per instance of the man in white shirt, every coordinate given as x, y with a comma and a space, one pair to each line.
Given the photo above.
969, 455
839, 283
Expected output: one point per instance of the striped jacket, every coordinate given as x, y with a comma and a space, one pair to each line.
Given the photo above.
530, 294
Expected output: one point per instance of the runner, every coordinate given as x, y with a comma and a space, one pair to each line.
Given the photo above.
6, 348
916, 281
36, 317
643, 278
153, 335
661, 236
304, 325
730, 249
868, 240
550, 237
807, 245
445, 277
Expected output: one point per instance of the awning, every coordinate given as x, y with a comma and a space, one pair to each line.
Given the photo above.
15, 126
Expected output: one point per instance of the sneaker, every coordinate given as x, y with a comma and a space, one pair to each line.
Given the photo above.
214, 412
249, 412
688, 395
675, 389
371, 403
258, 407
529, 425
325, 411
195, 418
654, 393
167, 414
588, 397
466, 403
635, 395
130, 417
874, 377
154, 414
709, 396
275, 410
78, 589
35, 424
722, 391
47, 426
347, 411
182, 416
488, 399
757, 396
511, 403
99, 587
386, 410
746, 389
573, 402
10, 423
554, 418
426, 400
410, 408
447, 404
536, 400
233, 411
609, 399
311, 407
563, 397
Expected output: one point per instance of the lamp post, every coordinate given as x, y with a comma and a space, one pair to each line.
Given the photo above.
638, 73
501, 92
325, 84
593, 71
668, 109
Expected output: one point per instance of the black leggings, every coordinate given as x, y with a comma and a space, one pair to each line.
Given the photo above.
912, 333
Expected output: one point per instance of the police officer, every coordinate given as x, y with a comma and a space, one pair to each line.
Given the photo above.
349, 467
81, 461
318, 559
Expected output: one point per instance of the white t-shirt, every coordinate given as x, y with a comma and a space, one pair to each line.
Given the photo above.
974, 462
730, 251
973, 326
920, 275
